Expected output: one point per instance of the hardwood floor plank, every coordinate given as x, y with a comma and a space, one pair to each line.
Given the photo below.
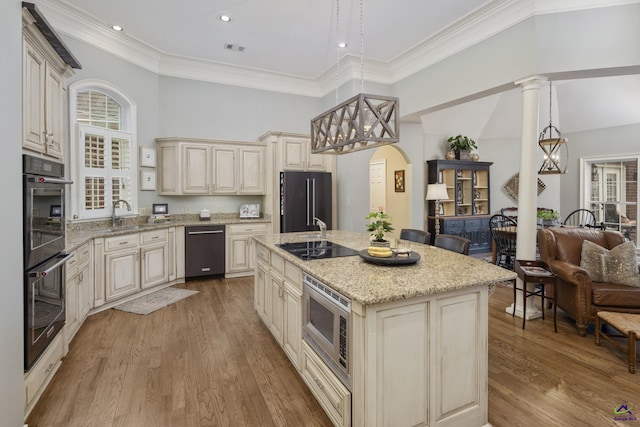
208, 360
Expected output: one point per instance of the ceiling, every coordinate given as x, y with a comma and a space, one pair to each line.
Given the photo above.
290, 46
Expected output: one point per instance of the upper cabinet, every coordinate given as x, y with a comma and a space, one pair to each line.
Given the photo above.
46, 63
196, 166
296, 155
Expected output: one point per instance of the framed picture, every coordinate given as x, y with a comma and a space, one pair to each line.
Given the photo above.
148, 157
160, 208
398, 178
147, 180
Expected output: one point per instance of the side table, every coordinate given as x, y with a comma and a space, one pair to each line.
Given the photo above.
536, 272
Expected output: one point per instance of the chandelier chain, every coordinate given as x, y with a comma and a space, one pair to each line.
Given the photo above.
549, 106
361, 47
337, 49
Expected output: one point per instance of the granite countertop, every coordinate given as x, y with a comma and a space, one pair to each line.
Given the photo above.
437, 271
79, 233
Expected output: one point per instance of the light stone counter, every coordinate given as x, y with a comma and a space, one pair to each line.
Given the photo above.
437, 271
80, 232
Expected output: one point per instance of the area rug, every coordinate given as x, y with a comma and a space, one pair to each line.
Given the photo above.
151, 302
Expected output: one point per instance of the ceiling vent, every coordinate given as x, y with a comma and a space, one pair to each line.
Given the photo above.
234, 47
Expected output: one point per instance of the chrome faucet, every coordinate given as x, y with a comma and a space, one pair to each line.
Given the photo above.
323, 227
113, 215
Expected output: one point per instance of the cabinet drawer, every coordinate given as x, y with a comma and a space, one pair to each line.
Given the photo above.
253, 229
83, 253
120, 242
453, 227
293, 275
473, 224
154, 236
262, 253
277, 263
332, 395
43, 370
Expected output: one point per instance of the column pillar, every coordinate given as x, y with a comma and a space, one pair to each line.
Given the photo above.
528, 186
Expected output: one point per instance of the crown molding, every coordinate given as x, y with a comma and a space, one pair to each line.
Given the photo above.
493, 17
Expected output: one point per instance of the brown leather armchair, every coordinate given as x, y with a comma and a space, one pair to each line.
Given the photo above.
575, 293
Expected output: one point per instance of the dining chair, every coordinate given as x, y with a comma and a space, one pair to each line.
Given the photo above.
415, 235
580, 218
452, 243
504, 234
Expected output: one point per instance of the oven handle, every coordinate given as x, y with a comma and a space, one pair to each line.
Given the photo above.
49, 180
62, 259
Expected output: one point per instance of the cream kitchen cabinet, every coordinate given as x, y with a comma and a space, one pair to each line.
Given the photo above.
132, 262
43, 90
79, 287
240, 248
190, 166
296, 155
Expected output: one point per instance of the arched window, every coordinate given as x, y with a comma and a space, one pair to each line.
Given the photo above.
103, 150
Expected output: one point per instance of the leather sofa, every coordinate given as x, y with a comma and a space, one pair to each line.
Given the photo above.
575, 293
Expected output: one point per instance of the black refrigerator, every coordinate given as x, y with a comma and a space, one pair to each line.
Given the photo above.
303, 197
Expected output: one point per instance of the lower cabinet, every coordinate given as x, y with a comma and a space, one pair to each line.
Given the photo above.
240, 249
79, 287
37, 379
475, 229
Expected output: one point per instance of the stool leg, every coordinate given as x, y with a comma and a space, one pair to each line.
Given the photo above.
632, 352
524, 303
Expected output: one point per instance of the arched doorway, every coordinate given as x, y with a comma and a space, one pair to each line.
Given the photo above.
390, 163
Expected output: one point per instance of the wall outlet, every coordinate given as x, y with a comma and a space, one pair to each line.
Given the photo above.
187, 209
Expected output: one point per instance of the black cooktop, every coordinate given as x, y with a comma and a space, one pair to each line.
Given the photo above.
317, 249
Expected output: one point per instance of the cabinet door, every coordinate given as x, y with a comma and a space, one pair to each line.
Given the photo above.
54, 98
154, 265
316, 162
168, 168
238, 254
260, 289
292, 323
224, 170
122, 273
195, 169
276, 310
294, 153
71, 322
85, 292
252, 171
33, 93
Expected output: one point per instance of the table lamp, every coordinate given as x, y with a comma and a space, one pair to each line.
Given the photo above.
437, 192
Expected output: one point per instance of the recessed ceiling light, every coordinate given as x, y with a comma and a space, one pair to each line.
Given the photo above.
224, 18
342, 44
116, 27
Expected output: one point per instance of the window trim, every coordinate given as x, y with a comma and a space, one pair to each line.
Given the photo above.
128, 125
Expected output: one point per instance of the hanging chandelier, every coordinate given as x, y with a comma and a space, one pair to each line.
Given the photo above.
556, 152
363, 121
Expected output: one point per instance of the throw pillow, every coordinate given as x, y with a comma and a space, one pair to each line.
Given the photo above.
618, 265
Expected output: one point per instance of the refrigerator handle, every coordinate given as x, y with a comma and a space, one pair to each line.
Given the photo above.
308, 193
313, 199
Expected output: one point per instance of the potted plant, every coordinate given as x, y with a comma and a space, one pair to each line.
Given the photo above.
380, 223
462, 146
548, 218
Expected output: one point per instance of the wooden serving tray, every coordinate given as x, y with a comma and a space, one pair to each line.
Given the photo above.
410, 258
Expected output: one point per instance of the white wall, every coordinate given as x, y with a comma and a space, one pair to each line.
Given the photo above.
11, 313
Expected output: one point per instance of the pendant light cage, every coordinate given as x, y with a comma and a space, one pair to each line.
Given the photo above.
555, 150
363, 121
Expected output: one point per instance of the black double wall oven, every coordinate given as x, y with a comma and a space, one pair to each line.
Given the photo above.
44, 189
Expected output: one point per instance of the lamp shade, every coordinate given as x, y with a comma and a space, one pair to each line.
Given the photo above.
437, 192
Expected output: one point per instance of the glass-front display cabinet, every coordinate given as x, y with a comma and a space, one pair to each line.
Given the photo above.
467, 211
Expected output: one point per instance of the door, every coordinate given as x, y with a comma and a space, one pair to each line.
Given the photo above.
154, 265
377, 186
224, 170
321, 196
293, 202
122, 273
195, 169
251, 170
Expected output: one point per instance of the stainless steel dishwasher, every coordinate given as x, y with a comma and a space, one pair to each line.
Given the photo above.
204, 250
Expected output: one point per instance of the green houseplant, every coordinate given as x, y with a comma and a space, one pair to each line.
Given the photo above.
379, 224
462, 146
548, 217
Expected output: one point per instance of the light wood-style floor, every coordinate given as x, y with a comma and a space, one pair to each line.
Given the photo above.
208, 361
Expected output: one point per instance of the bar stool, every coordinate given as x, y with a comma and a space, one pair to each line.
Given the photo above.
536, 272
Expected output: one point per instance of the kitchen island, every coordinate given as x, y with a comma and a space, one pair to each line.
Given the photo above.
418, 333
